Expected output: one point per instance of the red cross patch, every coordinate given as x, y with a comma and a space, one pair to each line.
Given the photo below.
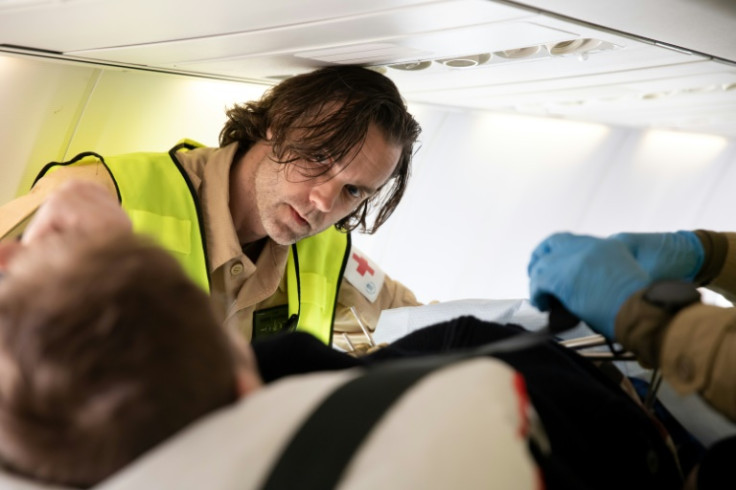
364, 274
363, 265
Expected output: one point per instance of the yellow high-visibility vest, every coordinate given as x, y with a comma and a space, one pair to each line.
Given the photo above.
156, 193
314, 271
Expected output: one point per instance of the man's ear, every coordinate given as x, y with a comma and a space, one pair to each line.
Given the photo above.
8, 249
246, 382
247, 377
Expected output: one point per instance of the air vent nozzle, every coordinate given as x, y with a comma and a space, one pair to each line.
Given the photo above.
467, 61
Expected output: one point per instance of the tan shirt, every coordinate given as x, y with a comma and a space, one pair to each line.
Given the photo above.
239, 286
696, 348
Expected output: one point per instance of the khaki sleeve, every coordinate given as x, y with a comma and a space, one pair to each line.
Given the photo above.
15, 215
393, 295
724, 281
695, 349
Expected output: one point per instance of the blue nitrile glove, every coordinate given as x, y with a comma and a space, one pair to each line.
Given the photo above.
592, 277
678, 255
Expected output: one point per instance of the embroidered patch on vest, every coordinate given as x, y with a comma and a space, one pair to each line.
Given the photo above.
364, 274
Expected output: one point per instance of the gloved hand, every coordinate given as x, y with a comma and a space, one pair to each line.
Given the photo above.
592, 277
677, 255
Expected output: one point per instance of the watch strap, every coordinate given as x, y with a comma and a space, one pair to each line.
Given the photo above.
640, 326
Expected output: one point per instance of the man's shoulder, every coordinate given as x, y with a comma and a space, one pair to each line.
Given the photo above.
196, 160
15, 213
364, 274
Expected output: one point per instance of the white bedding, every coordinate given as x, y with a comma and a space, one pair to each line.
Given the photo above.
396, 323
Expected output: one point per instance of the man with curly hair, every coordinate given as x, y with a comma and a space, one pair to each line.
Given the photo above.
263, 221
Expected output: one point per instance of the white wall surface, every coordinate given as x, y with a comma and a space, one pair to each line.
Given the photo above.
53, 110
488, 187
40, 103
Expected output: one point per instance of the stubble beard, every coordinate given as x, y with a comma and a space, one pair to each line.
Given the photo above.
274, 213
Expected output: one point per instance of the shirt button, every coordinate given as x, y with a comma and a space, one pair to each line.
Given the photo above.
685, 369
236, 268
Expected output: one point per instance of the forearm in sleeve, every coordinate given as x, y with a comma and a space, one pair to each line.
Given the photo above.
15, 214
695, 348
718, 271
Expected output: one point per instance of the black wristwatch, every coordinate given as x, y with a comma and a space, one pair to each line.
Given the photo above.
672, 296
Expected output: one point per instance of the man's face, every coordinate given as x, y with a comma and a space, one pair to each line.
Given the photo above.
292, 206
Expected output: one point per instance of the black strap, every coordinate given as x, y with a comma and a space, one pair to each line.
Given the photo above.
324, 445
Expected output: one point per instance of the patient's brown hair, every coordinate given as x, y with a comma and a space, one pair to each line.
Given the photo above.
106, 349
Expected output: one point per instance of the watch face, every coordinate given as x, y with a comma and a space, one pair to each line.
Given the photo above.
672, 295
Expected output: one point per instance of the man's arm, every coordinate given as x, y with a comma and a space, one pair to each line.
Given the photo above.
695, 348
393, 294
15, 215
78, 206
722, 256
706, 258
606, 285
368, 290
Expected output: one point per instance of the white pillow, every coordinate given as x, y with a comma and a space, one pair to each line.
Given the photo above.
398, 322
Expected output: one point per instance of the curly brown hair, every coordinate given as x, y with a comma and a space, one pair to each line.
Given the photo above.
327, 113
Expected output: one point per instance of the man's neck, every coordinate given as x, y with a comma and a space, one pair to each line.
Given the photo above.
253, 249
242, 203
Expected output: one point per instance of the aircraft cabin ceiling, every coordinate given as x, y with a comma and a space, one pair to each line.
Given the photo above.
646, 63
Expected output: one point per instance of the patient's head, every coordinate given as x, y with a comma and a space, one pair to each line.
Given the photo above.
106, 349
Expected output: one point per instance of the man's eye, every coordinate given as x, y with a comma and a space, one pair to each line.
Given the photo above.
353, 191
320, 159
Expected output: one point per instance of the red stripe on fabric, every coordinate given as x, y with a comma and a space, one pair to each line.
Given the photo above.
540, 480
522, 398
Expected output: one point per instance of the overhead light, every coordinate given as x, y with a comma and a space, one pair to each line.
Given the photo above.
380, 69
519, 52
580, 45
412, 66
677, 152
703, 89
465, 61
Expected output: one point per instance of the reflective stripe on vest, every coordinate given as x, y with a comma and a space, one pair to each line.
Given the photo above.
156, 194
314, 271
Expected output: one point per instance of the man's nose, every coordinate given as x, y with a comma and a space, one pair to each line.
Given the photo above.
324, 195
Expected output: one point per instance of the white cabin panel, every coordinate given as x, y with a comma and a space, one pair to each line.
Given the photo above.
41, 103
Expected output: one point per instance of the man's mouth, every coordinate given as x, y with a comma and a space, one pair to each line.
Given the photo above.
299, 218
